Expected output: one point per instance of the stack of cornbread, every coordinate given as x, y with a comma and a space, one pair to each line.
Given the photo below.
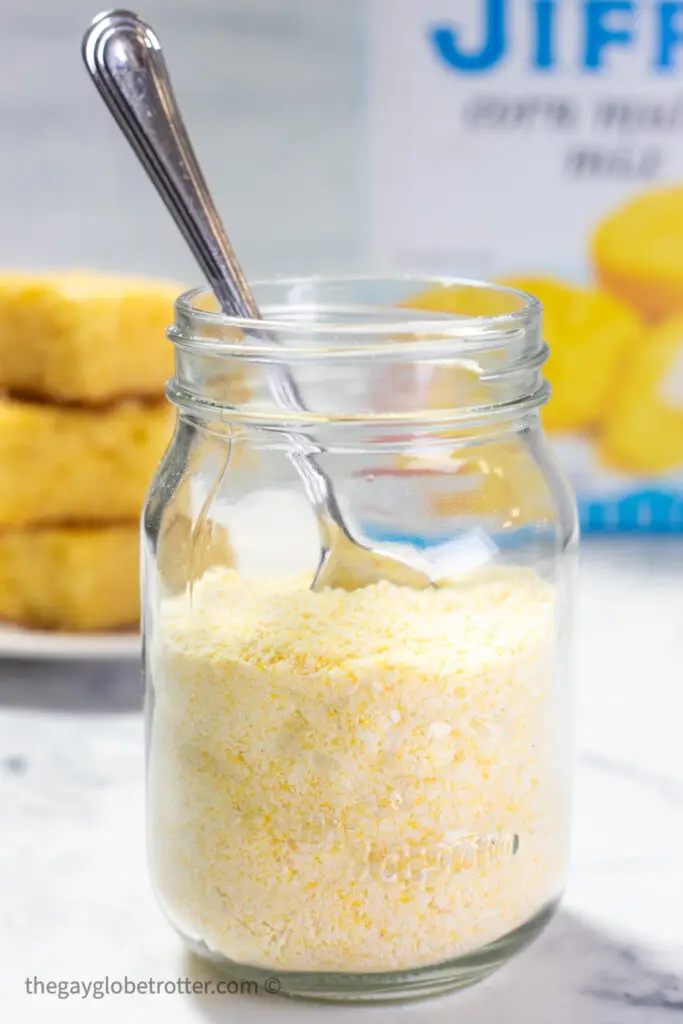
83, 423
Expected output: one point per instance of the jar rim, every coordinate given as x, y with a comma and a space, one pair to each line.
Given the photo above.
213, 328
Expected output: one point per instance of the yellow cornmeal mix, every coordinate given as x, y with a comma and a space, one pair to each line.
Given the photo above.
364, 780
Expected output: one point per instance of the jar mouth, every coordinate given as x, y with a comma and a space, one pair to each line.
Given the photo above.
359, 315
360, 349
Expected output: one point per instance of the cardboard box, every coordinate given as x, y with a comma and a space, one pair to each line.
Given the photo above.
540, 142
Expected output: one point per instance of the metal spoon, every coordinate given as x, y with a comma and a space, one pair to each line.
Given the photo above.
125, 60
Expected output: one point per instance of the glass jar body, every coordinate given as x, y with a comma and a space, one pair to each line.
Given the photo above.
362, 793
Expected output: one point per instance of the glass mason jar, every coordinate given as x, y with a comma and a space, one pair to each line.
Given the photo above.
363, 793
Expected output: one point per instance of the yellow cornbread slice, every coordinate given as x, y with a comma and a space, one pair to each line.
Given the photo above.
82, 336
187, 547
81, 465
589, 333
644, 432
638, 252
71, 578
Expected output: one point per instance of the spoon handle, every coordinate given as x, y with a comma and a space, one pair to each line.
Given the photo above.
125, 60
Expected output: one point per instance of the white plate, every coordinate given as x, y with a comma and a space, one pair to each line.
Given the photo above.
32, 643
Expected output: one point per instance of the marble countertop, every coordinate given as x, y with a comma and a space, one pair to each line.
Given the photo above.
75, 903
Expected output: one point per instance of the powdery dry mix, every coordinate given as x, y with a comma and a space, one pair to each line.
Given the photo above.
355, 781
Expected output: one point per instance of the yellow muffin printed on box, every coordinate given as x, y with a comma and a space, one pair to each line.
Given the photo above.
590, 333
465, 301
644, 431
494, 478
638, 252
79, 465
82, 336
454, 384
71, 578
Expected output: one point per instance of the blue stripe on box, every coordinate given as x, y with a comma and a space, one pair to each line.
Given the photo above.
643, 512
380, 535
